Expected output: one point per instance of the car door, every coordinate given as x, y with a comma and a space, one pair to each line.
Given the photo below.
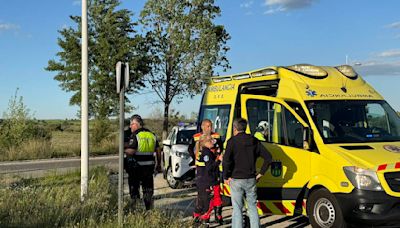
290, 170
167, 148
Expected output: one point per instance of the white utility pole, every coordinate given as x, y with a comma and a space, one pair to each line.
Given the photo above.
84, 106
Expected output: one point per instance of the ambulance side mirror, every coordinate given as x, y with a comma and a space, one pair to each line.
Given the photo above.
307, 138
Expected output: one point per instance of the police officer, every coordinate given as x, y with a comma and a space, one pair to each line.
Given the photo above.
140, 163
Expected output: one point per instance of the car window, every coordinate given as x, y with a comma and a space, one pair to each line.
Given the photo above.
184, 136
173, 136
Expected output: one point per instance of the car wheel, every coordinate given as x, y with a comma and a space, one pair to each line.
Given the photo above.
324, 211
172, 182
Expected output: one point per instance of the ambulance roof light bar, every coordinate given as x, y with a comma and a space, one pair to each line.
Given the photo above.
263, 72
309, 71
347, 71
221, 79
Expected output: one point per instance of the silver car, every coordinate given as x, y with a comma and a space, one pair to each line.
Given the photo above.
176, 158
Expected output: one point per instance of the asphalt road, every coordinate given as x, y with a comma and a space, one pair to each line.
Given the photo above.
37, 168
165, 197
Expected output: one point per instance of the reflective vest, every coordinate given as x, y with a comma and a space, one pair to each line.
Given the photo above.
196, 138
260, 136
146, 143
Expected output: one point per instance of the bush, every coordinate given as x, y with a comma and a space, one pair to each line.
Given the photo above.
18, 125
101, 130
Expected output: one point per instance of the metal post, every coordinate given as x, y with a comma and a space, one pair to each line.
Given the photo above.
121, 152
84, 106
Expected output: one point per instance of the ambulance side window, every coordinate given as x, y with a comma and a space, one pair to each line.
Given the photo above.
283, 127
294, 130
260, 114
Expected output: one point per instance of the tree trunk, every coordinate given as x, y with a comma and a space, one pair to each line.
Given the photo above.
167, 100
165, 122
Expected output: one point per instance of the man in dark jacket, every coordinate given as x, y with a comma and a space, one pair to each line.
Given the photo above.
239, 165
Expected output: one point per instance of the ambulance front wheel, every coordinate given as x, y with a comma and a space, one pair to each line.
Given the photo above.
323, 210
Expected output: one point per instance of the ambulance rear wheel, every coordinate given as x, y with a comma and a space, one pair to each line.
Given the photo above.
323, 210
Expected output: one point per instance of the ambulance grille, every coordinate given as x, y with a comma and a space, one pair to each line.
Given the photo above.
393, 180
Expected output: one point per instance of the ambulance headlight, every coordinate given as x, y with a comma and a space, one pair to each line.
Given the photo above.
363, 179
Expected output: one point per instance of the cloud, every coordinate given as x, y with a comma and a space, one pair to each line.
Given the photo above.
284, 5
379, 68
8, 26
274, 10
390, 53
246, 4
394, 25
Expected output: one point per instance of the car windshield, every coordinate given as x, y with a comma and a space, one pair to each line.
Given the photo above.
355, 121
184, 136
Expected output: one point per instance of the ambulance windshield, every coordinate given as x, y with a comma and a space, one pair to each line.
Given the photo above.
355, 121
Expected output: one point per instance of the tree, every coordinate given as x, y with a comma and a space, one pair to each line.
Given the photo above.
185, 46
112, 38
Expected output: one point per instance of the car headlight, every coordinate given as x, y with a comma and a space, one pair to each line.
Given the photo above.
363, 178
182, 154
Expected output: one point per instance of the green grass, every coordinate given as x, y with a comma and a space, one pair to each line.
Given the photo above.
54, 201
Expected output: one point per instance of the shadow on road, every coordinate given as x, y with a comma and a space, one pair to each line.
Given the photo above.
299, 221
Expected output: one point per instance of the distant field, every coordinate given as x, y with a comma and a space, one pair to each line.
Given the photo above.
66, 140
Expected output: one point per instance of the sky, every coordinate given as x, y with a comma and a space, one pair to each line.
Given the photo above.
263, 33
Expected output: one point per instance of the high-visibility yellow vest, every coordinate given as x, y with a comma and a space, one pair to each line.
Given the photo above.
260, 136
146, 143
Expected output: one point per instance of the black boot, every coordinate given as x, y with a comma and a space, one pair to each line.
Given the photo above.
132, 205
218, 215
196, 222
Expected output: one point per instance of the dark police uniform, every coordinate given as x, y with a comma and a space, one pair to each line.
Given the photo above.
140, 166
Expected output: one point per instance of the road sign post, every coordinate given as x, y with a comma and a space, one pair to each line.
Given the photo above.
122, 82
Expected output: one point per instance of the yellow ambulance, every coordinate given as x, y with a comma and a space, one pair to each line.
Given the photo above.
335, 141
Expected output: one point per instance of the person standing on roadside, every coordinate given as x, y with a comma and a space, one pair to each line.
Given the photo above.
196, 154
140, 162
207, 178
239, 165
206, 129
